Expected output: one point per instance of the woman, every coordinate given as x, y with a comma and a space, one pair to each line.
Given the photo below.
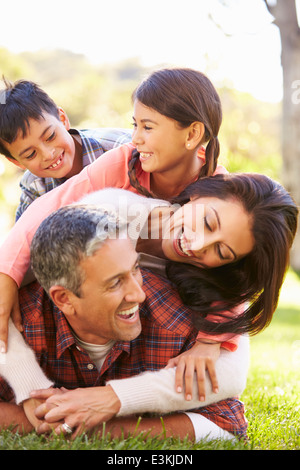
244, 262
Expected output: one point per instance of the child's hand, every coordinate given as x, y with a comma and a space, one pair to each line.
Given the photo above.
201, 357
9, 305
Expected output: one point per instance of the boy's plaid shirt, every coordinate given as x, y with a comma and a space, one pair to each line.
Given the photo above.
94, 143
167, 331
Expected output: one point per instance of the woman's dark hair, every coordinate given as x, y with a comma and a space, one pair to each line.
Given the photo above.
186, 96
24, 100
254, 280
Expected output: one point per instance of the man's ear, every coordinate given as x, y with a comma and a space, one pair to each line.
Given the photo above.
63, 117
15, 162
62, 298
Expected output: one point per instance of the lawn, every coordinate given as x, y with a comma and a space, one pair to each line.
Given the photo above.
271, 397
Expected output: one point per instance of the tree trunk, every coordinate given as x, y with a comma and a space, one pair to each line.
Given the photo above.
285, 16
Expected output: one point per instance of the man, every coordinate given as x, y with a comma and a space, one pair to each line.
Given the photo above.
94, 333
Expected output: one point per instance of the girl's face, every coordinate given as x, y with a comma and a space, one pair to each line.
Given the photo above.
160, 140
208, 232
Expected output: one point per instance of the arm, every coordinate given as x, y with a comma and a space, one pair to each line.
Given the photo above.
109, 170
13, 417
19, 367
136, 396
130, 396
171, 426
66, 407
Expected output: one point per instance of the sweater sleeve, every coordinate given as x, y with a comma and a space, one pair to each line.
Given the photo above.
20, 368
155, 391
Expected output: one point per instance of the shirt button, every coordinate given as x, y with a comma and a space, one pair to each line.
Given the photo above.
90, 366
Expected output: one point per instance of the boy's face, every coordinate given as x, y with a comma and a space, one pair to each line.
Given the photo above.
48, 150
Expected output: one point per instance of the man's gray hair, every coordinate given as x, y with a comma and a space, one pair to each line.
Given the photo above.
68, 236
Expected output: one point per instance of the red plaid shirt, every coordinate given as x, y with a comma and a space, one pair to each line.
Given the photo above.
167, 331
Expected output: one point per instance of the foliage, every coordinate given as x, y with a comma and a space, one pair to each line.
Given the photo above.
249, 134
96, 96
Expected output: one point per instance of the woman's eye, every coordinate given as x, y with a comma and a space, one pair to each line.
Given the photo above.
207, 224
220, 253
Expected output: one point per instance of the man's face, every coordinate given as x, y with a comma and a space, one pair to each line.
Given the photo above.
108, 307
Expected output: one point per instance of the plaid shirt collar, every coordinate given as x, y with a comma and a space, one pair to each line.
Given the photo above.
65, 337
90, 147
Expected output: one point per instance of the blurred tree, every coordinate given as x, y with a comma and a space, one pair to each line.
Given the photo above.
11, 67
249, 134
285, 17
284, 14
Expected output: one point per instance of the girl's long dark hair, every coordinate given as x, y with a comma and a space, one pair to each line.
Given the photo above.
254, 280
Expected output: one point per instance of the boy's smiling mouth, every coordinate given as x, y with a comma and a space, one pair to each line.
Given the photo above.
56, 163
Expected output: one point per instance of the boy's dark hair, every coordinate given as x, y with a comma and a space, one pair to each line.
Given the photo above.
24, 100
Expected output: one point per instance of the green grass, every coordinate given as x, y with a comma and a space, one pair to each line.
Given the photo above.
271, 398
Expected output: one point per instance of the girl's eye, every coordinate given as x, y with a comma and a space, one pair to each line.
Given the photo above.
51, 137
147, 128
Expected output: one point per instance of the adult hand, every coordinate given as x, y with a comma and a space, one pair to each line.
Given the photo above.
82, 409
29, 407
9, 306
199, 359
36, 408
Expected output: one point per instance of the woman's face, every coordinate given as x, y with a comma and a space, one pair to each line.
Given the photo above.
208, 232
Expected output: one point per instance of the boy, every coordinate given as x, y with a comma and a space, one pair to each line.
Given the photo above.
35, 135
